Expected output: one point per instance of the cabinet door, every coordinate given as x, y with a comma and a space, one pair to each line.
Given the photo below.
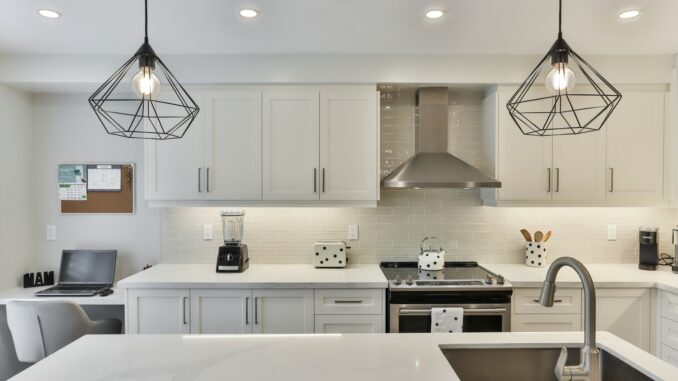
348, 145
291, 145
545, 323
625, 313
524, 162
174, 168
232, 145
221, 311
283, 311
349, 324
635, 151
158, 311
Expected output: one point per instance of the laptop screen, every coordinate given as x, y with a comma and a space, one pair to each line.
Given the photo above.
87, 266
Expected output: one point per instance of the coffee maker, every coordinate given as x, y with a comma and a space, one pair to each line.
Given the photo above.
674, 240
649, 249
232, 256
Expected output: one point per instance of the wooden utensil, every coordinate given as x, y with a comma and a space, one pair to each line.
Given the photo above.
547, 236
526, 235
538, 236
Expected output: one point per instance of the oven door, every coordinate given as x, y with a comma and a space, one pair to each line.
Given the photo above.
477, 317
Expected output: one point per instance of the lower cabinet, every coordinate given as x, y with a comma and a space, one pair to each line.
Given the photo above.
530, 316
625, 313
247, 311
668, 332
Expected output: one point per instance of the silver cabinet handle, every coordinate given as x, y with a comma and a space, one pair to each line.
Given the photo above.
557, 179
555, 301
256, 310
315, 180
611, 180
247, 310
199, 179
470, 311
323, 180
183, 309
548, 185
207, 180
348, 301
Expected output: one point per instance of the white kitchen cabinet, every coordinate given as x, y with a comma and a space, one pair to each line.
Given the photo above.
348, 135
218, 311
667, 333
546, 322
528, 315
635, 148
579, 167
232, 145
349, 301
174, 169
291, 145
158, 311
349, 324
283, 311
625, 313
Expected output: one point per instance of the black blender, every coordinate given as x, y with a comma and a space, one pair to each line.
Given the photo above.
232, 256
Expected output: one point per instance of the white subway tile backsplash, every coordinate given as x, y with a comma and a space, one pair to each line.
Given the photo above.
392, 231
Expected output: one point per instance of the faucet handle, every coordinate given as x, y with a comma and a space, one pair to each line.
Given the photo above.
560, 364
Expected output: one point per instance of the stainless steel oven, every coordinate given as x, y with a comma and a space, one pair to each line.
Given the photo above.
494, 317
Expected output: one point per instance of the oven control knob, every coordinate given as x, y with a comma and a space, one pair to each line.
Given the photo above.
397, 280
500, 279
488, 279
409, 280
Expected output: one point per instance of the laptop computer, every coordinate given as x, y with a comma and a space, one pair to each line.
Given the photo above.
83, 273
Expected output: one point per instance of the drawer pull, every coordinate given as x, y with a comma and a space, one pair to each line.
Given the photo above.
555, 301
348, 301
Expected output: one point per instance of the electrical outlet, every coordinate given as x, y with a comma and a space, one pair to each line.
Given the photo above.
51, 233
611, 232
353, 232
208, 232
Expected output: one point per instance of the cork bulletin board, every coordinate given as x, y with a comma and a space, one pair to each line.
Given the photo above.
96, 188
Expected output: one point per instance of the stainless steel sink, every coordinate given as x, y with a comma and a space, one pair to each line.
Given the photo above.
528, 364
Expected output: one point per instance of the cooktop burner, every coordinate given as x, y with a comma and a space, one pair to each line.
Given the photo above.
406, 275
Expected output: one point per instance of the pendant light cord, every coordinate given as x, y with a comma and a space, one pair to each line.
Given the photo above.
146, 21
560, 18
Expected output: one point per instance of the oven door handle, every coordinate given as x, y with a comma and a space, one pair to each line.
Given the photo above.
470, 311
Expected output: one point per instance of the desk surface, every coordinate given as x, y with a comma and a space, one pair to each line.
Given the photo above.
116, 298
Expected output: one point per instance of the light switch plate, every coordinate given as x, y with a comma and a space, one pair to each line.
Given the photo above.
611, 232
208, 232
353, 232
50, 233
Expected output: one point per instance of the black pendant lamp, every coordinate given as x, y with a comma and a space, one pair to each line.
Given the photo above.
549, 102
143, 99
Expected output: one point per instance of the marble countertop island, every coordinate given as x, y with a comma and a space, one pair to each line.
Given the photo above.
331, 357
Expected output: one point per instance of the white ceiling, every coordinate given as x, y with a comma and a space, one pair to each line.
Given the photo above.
337, 26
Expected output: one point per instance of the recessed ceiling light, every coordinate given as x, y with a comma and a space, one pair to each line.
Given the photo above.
249, 13
48, 13
629, 14
435, 14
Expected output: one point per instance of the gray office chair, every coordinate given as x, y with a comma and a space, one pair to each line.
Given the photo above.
40, 328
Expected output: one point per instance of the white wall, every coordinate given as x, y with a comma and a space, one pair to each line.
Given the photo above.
16, 191
67, 131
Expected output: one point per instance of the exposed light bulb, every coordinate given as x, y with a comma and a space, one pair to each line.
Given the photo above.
561, 78
145, 83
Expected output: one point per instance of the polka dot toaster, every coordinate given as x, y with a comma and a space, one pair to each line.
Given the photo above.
330, 254
431, 259
535, 254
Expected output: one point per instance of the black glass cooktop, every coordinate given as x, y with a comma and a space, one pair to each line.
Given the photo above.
453, 271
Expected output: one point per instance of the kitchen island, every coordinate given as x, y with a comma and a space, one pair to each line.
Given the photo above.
330, 357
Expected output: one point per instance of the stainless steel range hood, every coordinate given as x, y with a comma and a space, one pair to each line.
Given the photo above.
432, 166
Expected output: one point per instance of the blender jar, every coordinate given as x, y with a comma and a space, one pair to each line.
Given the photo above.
232, 222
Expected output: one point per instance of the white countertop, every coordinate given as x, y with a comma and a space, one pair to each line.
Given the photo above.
257, 276
333, 357
116, 298
604, 276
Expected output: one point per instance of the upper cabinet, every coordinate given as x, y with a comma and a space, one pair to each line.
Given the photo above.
622, 165
272, 146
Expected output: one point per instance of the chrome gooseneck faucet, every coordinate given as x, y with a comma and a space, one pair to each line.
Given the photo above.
589, 365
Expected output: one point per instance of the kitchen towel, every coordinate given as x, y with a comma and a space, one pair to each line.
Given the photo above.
447, 319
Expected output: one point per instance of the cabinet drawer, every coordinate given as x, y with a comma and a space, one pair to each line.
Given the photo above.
670, 305
669, 355
567, 301
669, 333
349, 324
546, 323
349, 301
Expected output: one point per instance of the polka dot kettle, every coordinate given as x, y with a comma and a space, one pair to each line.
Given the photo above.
431, 259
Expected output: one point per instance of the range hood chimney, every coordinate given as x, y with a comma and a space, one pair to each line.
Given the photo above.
432, 166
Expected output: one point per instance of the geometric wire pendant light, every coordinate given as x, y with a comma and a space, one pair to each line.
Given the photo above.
133, 103
549, 103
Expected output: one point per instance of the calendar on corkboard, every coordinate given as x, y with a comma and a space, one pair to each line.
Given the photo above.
96, 188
